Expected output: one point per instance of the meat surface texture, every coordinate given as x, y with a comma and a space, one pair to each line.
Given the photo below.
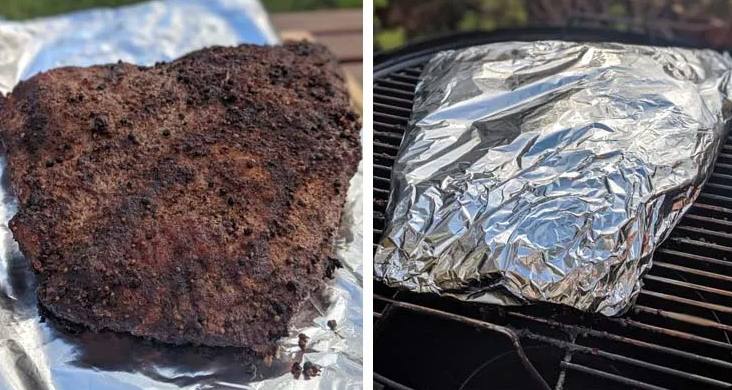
195, 201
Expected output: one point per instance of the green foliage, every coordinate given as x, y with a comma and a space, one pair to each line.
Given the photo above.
23, 9
704, 22
399, 21
301, 5
390, 38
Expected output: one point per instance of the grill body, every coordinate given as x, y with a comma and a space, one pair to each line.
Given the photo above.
678, 335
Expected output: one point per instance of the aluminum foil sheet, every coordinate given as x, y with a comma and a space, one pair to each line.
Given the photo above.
550, 171
37, 354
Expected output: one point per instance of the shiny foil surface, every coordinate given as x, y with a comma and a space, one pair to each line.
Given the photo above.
550, 171
37, 353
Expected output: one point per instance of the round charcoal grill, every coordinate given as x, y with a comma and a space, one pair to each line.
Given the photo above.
678, 335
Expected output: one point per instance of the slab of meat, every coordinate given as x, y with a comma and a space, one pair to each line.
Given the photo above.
190, 202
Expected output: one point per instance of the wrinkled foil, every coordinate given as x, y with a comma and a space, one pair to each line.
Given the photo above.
36, 354
550, 171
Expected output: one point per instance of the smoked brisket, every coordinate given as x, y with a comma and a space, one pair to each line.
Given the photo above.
194, 201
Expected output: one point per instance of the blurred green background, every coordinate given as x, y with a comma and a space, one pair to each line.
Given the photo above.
23, 9
705, 22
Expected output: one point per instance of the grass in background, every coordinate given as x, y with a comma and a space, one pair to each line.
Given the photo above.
24, 9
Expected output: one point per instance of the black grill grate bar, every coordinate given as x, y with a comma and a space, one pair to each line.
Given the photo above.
403, 77
681, 268
704, 212
693, 286
706, 234
682, 317
415, 72
393, 118
388, 382
394, 100
725, 188
720, 176
389, 127
702, 244
613, 377
381, 191
383, 181
385, 156
387, 136
691, 218
711, 207
385, 146
563, 370
380, 90
395, 84
722, 167
576, 348
687, 301
692, 256
577, 329
719, 198
391, 108
384, 167
671, 332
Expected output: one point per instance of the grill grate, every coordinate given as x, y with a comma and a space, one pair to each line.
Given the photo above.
677, 335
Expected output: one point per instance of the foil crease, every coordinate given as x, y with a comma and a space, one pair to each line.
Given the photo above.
36, 354
550, 171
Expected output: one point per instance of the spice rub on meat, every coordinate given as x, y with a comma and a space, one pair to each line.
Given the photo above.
190, 202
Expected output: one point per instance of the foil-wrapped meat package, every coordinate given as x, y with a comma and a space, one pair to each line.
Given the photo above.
550, 171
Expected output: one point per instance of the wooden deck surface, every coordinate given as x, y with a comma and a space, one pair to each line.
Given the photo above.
340, 30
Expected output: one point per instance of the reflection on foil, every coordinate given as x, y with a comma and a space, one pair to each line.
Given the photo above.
37, 353
550, 171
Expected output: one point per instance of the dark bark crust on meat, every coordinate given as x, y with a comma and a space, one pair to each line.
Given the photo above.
190, 202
